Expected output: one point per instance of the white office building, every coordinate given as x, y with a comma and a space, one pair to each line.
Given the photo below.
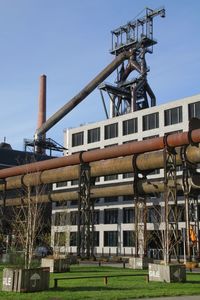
114, 216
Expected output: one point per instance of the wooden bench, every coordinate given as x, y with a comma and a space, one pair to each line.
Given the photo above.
105, 277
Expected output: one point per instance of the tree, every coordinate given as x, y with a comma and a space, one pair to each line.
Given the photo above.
61, 232
28, 220
160, 236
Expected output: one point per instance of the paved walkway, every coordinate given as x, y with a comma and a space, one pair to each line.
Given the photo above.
173, 298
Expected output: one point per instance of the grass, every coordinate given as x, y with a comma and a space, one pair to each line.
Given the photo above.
117, 288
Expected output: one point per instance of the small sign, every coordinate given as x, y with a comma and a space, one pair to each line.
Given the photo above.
7, 281
34, 279
154, 274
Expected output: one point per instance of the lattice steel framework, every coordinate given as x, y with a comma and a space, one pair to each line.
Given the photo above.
171, 233
191, 236
85, 239
128, 95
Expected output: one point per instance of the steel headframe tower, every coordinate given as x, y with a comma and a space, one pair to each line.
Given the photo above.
129, 95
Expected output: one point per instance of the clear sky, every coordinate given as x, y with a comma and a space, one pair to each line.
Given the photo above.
69, 41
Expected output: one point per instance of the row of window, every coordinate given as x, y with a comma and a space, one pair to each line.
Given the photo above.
111, 238
112, 199
150, 121
111, 216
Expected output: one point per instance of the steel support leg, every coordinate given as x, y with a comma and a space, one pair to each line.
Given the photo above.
191, 208
171, 234
140, 215
85, 215
2, 208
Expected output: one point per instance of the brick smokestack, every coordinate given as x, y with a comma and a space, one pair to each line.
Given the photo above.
41, 111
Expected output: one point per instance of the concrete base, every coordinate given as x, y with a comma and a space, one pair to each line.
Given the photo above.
138, 263
25, 280
167, 273
58, 265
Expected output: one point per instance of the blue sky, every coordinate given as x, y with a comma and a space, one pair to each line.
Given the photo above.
69, 41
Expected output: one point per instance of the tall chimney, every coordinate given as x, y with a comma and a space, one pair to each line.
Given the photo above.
41, 111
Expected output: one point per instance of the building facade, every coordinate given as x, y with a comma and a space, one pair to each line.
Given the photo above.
114, 217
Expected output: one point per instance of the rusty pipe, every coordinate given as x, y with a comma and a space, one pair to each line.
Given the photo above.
105, 191
63, 111
146, 161
173, 140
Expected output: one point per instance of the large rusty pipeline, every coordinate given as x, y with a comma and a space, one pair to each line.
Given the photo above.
172, 140
146, 161
145, 187
63, 111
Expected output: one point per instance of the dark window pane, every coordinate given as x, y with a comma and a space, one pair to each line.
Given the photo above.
110, 216
75, 182
110, 177
111, 131
74, 218
61, 184
128, 238
128, 215
194, 110
94, 135
127, 175
150, 121
73, 238
96, 238
110, 238
127, 198
77, 139
96, 217
110, 199
173, 116
130, 126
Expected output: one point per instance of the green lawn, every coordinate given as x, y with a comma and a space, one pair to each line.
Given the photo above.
117, 288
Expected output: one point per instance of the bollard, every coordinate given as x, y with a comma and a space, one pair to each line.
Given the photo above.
55, 283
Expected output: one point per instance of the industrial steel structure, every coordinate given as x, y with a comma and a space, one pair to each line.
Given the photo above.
109, 161
132, 42
128, 97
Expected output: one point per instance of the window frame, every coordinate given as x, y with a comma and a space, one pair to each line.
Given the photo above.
195, 113
130, 126
75, 139
110, 131
111, 238
172, 118
93, 135
150, 121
